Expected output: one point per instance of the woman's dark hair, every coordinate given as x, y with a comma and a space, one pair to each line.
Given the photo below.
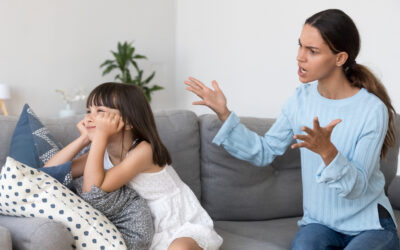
340, 33
135, 111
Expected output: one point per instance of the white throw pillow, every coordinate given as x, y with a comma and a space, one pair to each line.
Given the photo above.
27, 192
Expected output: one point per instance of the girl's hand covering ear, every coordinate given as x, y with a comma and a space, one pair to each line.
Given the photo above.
108, 123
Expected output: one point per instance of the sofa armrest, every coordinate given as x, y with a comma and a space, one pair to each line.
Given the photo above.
394, 193
37, 233
5, 239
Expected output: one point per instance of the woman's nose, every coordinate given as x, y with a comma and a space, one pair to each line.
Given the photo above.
300, 55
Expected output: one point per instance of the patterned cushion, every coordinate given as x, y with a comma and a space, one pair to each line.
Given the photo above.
27, 192
33, 145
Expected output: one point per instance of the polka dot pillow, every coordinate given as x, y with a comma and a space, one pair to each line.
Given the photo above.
27, 192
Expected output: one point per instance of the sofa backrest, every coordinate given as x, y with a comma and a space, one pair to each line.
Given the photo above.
179, 131
233, 189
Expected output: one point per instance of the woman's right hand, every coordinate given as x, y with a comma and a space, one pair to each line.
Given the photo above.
214, 99
83, 131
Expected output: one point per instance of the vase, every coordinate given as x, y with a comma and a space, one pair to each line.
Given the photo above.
68, 111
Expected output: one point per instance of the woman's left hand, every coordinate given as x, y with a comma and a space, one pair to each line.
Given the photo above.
108, 123
318, 140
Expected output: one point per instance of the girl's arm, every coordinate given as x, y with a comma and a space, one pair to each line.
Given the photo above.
138, 160
70, 151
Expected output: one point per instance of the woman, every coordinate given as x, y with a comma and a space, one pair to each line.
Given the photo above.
343, 124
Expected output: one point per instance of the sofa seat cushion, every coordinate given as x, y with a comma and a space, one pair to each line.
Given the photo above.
37, 233
250, 192
179, 131
257, 235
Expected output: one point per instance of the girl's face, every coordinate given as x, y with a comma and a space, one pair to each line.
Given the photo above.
315, 59
90, 118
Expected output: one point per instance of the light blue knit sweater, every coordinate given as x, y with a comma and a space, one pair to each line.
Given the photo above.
345, 194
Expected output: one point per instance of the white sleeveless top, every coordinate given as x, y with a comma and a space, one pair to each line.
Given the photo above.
175, 209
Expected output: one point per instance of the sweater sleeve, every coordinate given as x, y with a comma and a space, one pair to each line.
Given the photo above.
247, 145
350, 176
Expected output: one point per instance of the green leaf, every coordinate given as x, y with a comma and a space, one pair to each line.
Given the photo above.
139, 57
106, 63
109, 69
148, 79
155, 88
135, 65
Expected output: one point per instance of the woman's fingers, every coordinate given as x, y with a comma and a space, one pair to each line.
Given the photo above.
333, 124
316, 123
308, 130
215, 85
300, 145
193, 85
197, 82
199, 103
195, 91
301, 137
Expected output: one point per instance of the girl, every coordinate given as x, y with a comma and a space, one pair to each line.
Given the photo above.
126, 149
343, 124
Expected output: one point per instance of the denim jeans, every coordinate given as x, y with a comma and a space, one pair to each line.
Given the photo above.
316, 236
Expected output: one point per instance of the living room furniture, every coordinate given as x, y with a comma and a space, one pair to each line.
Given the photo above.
252, 207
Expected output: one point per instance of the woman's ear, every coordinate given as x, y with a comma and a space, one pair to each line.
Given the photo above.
341, 58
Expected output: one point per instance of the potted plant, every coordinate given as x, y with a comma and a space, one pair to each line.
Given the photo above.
123, 59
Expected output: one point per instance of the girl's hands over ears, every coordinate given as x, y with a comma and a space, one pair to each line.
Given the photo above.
318, 140
214, 99
108, 123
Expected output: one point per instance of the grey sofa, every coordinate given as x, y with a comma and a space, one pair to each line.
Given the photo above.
253, 208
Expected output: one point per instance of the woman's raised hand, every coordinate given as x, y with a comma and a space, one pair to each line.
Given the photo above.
214, 99
318, 140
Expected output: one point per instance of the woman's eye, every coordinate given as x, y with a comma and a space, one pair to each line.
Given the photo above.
87, 111
100, 110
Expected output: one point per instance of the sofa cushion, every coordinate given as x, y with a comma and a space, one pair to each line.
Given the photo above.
257, 235
32, 144
233, 189
26, 192
179, 131
5, 239
37, 233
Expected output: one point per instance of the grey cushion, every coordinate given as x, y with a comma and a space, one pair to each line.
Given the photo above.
271, 234
179, 131
5, 239
37, 233
236, 190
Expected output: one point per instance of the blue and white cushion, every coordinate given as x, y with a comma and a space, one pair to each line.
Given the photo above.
27, 192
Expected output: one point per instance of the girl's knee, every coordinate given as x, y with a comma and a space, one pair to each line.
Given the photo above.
184, 243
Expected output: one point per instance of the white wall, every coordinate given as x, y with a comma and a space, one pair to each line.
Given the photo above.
48, 44
250, 48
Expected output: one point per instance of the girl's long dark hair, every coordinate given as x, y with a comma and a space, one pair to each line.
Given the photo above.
340, 33
135, 111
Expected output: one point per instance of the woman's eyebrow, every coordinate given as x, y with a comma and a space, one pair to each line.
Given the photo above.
309, 47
